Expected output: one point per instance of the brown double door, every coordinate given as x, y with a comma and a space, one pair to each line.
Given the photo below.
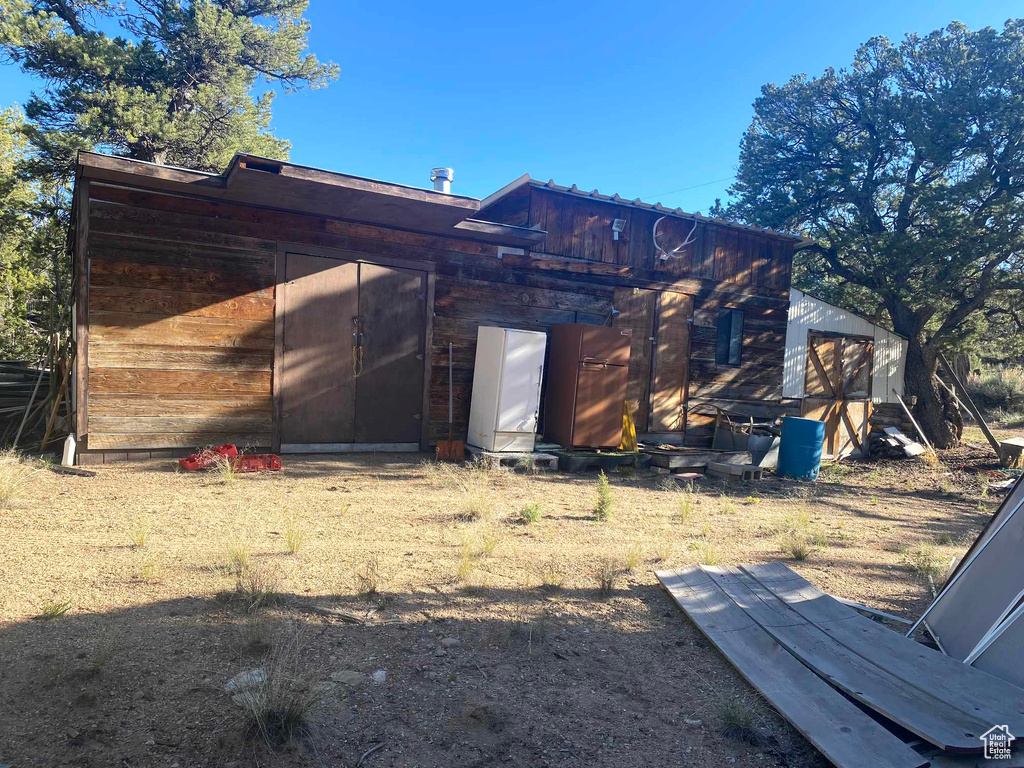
351, 356
659, 361
837, 390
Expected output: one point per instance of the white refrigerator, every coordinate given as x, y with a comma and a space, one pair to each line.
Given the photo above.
506, 389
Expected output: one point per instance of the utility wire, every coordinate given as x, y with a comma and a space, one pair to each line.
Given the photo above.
684, 189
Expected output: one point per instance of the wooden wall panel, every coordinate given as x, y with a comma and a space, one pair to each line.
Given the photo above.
147, 301
184, 330
152, 382
206, 404
580, 228
671, 363
752, 388
636, 311
180, 327
165, 357
160, 277
143, 440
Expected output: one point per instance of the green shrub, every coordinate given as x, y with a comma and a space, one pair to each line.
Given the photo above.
54, 610
999, 388
531, 513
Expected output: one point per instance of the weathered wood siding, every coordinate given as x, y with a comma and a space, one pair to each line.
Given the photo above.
181, 331
181, 312
726, 268
579, 228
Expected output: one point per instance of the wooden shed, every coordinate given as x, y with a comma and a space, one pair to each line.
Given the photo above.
279, 306
843, 368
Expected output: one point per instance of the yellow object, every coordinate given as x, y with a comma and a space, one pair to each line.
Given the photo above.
628, 442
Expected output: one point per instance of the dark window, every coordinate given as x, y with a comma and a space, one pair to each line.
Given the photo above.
730, 337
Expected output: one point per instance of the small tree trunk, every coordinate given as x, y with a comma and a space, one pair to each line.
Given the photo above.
929, 411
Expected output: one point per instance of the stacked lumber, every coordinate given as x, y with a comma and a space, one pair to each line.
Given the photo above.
894, 444
890, 415
17, 380
810, 654
27, 404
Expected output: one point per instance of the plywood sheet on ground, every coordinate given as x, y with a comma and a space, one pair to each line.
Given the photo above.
842, 732
968, 689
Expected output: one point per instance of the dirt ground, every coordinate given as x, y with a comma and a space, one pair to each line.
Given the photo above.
497, 643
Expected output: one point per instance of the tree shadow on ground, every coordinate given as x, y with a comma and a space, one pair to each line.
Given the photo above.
563, 679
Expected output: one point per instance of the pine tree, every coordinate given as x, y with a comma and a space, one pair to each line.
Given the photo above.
178, 85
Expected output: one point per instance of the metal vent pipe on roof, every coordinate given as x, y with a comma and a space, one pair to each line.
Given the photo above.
442, 178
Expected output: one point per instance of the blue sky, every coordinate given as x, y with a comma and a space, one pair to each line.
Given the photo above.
641, 99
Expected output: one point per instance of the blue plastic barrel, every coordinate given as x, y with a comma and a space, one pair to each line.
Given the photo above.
800, 450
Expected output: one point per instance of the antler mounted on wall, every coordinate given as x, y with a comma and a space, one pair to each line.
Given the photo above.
675, 252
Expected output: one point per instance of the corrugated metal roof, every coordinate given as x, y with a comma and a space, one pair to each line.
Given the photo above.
617, 199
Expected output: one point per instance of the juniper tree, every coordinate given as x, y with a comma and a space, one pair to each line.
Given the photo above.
908, 170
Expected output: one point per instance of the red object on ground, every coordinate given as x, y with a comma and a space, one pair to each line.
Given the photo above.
258, 462
207, 457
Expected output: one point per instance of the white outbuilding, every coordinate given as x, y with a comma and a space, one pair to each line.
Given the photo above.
840, 365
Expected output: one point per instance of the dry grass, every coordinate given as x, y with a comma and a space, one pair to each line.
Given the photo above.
67, 541
924, 560
15, 476
224, 469
705, 553
238, 557
634, 555
795, 545
684, 506
368, 579
138, 534
478, 504
279, 710
605, 503
257, 585
606, 573
551, 574
293, 536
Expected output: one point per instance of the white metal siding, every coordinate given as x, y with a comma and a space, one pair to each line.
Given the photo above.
807, 313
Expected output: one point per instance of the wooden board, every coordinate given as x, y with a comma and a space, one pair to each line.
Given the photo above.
636, 309
116, 355
670, 379
149, 301
845, 735
129, 328
246, 440
957, 684
161, 277
149, 382
179, 424
317, 394
180, 405
389, 390
921, 713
